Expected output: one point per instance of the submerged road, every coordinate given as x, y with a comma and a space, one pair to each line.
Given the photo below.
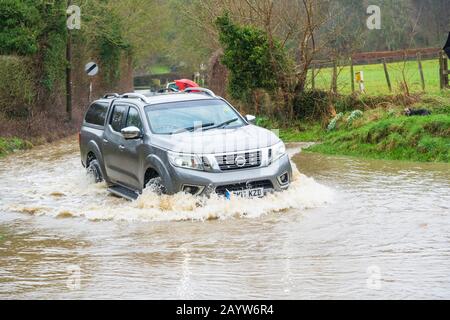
346, 229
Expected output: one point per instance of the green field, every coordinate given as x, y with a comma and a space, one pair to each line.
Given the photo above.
159, 69
375, 80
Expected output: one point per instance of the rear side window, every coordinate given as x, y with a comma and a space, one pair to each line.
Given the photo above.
97, 114
118, 117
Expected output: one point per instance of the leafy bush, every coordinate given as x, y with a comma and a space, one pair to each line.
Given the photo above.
52, 44
109, 42
264, 122
312, 105
17, 90
20, 26
11, 144
252, 61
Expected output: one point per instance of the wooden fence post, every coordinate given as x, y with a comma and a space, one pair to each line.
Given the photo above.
443, 70
446, 71
386, 73
313, 77
422, 77
334, 79
352, 75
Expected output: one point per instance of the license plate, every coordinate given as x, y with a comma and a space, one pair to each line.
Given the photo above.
250, 193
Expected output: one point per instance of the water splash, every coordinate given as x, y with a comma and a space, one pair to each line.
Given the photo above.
304, 193
73, 194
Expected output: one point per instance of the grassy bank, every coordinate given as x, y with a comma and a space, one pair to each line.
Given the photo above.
415, 138
383, 132
8, 145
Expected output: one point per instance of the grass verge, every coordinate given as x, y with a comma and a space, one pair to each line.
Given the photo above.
424, 139
8, 145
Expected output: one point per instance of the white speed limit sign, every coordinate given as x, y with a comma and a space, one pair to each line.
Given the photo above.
91, 69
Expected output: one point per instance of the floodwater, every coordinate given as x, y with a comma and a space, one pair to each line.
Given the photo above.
346, 229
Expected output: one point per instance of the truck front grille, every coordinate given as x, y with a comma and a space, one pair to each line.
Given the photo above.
237, 161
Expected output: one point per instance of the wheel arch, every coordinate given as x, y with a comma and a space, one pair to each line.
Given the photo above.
93, 152
153, 165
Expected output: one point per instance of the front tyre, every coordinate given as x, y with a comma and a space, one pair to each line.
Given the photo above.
94, 171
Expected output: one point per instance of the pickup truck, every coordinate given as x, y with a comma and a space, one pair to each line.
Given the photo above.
192, 141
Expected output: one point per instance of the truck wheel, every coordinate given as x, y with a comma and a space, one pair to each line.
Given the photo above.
95, 171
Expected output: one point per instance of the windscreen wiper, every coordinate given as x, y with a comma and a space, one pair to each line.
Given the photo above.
223, 124
191, 129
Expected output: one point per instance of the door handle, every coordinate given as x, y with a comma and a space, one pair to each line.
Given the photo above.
105, 141
121, 147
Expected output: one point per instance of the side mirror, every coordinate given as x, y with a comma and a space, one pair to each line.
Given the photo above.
250, 119
130, 133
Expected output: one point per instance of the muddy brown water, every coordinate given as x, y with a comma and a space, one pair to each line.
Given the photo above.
346, 229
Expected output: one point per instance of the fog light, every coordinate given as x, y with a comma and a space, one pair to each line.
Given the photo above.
284, 178
192, 189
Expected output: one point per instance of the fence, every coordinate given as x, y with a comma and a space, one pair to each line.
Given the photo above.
424, 70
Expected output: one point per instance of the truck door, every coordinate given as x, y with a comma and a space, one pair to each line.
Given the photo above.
113, 143
130, 159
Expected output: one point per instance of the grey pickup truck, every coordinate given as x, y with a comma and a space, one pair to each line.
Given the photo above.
192, 141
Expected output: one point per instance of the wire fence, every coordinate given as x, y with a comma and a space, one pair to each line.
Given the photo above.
378, 73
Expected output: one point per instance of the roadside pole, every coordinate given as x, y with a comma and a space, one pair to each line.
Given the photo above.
69, 71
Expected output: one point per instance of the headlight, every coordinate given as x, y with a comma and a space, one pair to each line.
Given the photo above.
278, 151
189, 161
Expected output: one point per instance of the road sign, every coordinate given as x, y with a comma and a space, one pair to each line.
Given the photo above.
91, 69
359, 77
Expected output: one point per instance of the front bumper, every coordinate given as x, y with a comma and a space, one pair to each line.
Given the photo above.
242, 179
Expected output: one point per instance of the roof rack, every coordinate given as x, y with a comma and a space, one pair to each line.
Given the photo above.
133, 95
111, 95
204, 90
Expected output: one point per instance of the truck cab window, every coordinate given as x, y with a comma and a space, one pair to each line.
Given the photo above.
118, 117
134, 120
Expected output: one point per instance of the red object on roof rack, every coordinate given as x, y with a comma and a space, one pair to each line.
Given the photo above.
185, 83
